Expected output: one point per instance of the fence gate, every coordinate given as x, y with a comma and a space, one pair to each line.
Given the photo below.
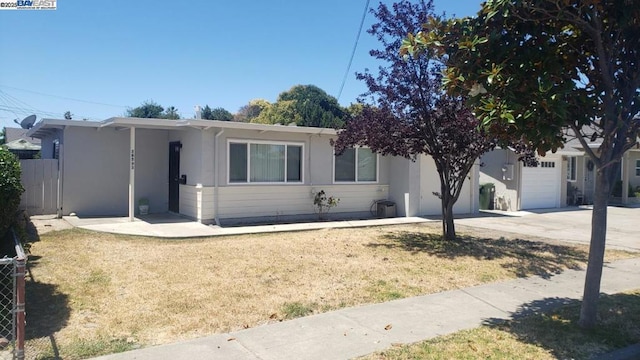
40, 182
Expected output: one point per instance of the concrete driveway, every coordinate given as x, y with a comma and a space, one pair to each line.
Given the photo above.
568, 224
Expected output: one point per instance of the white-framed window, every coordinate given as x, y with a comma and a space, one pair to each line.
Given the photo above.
356, 165
264, 162
571, 168
547, 164
638, 167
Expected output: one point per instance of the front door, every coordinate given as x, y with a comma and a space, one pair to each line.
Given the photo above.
589, 181
174, 176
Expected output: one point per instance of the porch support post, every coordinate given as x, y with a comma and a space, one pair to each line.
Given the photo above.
625, 178
132, 174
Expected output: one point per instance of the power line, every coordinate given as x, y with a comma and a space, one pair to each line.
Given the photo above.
63, 97
353, 52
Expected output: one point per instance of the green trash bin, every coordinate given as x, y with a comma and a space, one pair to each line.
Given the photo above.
487, 193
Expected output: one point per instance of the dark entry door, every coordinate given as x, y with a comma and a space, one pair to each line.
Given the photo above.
174, 176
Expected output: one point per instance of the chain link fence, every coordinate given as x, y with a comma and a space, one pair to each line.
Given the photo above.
12, 304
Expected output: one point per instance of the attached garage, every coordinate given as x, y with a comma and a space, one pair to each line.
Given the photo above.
541, 185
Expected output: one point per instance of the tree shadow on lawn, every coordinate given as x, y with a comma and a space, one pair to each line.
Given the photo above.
552, 324
530, 257
47, 310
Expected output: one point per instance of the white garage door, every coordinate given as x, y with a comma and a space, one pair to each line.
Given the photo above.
541, 186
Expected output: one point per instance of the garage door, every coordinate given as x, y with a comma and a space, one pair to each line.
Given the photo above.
541, 186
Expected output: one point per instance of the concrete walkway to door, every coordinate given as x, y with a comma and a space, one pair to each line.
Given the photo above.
174, 226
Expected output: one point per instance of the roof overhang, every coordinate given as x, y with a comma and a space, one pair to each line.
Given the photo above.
48, 126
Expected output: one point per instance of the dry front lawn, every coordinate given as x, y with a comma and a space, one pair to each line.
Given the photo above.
92, 293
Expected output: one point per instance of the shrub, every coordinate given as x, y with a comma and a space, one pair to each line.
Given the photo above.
10, 189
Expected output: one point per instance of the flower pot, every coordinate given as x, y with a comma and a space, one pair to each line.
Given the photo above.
144, 209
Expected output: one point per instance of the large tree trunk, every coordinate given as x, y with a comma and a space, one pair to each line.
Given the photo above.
589, 309
448, 227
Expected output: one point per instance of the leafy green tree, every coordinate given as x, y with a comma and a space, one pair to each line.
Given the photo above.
10, 189
306, 105
171, 113
206, 113
148, 109
281, 112
222, 114
252, 110
534, 69
3, 136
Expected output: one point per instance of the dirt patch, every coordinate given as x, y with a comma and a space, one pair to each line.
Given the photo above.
42, 224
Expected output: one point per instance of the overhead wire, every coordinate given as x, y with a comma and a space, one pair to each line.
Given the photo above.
64, 97
353, 52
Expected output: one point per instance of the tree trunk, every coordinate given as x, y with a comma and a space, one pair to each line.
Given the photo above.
448, 227
589, 309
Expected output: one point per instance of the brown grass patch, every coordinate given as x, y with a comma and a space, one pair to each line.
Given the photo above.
93, 287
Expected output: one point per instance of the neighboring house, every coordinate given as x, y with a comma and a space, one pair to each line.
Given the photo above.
19, 143
582, 177
566, 177
215, 171
518, 187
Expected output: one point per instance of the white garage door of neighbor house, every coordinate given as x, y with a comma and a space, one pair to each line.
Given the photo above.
541, 186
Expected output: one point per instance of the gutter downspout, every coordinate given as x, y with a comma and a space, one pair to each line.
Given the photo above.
216, 179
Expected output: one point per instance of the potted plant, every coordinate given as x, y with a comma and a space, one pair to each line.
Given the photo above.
143, 206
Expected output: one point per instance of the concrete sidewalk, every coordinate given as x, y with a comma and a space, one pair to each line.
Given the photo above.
352, 332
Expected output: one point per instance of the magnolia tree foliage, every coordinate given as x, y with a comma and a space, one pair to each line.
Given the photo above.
537, 69
410, 114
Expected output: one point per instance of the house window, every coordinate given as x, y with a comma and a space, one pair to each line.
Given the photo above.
571, 168
356, 165
547, 164
637, 167
265, 162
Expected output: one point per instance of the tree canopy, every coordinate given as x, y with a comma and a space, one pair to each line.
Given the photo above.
410, 114
533, 69
218, 113
152, 110
252, 110
305, 105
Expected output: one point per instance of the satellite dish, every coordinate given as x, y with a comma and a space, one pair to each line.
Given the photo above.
27, 123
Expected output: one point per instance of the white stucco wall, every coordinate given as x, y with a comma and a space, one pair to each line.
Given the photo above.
491, 164
96, 170
191, 155
152, 168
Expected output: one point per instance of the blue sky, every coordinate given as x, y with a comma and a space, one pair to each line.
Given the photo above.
97, 58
